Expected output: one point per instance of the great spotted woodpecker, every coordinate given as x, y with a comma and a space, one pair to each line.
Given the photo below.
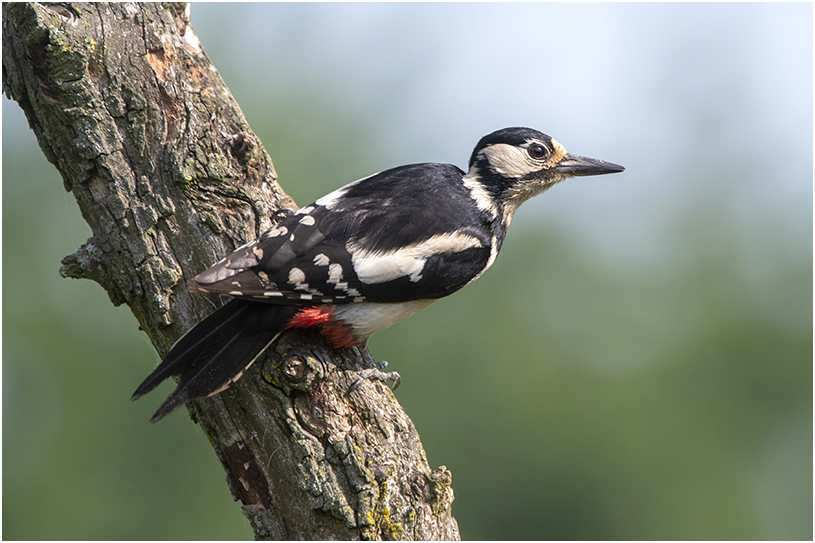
364, 257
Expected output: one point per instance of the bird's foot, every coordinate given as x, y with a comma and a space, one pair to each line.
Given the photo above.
372, 371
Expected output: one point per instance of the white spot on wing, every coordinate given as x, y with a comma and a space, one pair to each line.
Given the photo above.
308, 220
335, 274
279, 231
321, 260
297, 276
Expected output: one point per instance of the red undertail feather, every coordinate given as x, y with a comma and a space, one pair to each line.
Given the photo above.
336, 332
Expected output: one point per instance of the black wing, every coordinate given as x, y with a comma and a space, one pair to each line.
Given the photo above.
393, 237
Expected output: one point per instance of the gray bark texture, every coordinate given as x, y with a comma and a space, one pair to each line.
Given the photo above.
126, 104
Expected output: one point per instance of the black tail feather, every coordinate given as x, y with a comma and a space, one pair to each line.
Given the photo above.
215, 353
190, 345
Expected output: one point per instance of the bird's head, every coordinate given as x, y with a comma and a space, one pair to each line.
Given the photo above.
513, 164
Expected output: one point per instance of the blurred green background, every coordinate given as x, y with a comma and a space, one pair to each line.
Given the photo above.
637, 364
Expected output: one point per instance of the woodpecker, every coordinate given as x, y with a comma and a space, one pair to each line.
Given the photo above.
364, 257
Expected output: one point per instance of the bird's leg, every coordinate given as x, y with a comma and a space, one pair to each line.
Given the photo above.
371, 370
366, 359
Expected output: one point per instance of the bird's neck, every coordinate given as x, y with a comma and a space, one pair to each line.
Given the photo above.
486, 189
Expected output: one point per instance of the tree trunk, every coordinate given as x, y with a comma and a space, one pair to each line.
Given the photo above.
125, 103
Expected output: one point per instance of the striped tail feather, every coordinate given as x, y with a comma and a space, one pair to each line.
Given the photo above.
216, 352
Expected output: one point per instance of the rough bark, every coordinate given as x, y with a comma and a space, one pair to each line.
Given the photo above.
125, 103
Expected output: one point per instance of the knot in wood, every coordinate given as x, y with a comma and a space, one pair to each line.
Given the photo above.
294, 370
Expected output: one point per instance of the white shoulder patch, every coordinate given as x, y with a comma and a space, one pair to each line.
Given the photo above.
380, 267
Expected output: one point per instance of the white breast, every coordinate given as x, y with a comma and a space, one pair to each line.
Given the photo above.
367, 318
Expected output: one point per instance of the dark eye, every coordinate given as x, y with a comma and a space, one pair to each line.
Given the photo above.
536, 151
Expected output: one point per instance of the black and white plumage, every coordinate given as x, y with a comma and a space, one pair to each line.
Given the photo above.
364, 257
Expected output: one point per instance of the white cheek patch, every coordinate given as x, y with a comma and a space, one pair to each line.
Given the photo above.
510, 161
372, 268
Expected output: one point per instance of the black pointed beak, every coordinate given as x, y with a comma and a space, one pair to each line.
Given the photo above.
580, 165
